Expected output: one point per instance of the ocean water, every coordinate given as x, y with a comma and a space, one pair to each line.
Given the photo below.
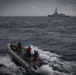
53, 37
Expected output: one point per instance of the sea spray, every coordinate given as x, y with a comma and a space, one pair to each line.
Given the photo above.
54, 65
7, 66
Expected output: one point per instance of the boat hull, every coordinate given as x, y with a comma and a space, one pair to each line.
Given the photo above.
11, 49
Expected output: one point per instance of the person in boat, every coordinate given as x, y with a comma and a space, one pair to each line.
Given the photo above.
36, 55
18, 46
28, 52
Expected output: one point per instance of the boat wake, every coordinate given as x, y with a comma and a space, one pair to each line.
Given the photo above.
52, 65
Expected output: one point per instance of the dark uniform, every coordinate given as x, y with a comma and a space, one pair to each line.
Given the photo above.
36, 55
18, 46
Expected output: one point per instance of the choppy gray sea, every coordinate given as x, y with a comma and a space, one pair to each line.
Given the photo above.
53, 37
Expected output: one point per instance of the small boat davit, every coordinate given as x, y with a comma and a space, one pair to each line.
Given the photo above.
21, 58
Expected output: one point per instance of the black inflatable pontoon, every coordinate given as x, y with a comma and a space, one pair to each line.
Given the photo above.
19, 56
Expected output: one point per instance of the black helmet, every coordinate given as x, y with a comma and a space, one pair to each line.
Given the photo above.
34, 50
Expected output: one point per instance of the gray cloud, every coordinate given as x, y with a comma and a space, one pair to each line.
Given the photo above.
36, 7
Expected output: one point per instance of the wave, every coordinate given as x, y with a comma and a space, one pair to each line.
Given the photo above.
8, 67
52, 65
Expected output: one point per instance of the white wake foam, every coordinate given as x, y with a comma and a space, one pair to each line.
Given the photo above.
9, 67
54, 65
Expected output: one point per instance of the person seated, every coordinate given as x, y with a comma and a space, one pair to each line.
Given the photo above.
28, 53
18, 46
36, 55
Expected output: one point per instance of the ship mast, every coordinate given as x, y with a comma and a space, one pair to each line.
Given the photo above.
56, 12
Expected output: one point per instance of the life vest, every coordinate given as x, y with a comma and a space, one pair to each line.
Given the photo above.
19, 44
29, 49
36, 55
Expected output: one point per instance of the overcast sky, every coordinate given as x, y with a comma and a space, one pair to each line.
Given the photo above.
36, 7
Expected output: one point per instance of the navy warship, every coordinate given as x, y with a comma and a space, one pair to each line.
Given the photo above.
56, 14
